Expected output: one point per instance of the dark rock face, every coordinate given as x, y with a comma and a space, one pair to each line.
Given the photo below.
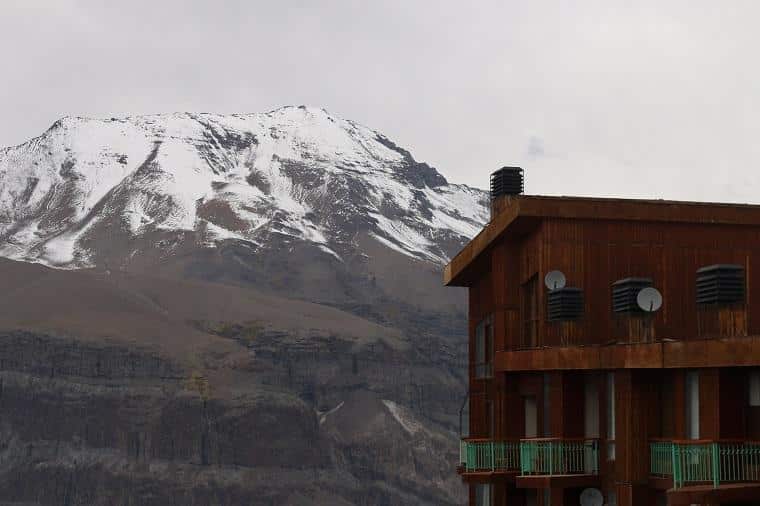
258, 415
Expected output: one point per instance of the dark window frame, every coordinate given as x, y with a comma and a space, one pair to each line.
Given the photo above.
529, 313
484, 348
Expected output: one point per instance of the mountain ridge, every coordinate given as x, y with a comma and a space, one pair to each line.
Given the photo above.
293, 171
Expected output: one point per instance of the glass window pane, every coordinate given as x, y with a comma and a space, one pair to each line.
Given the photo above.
547, 406
611, 416
483, 494
754, 388
692, 404
480, 353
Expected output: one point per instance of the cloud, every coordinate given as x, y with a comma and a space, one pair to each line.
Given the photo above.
535, 147
629, 93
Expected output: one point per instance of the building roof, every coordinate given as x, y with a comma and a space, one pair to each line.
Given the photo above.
518, 211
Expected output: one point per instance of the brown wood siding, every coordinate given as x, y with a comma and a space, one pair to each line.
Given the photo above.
595, 254
522, 214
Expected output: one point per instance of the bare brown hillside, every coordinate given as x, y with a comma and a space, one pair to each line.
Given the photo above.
118, 387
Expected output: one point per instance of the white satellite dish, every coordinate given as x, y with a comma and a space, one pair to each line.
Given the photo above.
649, 299
592, 497
555, 280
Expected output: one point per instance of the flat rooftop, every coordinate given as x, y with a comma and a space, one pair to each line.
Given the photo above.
526, 209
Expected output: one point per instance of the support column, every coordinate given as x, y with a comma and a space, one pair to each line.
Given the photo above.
632, 441
709, 403
558, 497
632, 495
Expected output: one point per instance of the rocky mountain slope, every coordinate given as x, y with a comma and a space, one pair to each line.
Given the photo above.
243, 309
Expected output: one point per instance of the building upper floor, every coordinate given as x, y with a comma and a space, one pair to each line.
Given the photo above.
703, 258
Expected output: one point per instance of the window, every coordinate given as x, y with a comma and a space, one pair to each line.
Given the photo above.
590, 408
484, 348
489, 418
530, 313
531, 417
483, 494
547, 406
610, 416
754, 388
692, 404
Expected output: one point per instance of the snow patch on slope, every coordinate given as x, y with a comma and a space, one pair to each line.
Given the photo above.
322, 415
405, 418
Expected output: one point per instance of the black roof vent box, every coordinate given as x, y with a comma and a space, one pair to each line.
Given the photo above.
507, 181
720, 284
624, 293
564, 304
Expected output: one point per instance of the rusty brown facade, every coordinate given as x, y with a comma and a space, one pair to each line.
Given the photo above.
649, 408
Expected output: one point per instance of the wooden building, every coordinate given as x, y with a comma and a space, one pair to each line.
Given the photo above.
649, 407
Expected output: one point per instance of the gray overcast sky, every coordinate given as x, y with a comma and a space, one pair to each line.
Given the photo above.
657, 99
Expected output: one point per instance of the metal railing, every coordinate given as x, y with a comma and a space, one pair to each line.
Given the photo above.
557, 456
704, 461
661, 458
489, 455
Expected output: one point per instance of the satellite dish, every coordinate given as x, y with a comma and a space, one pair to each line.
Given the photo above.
592, 497
554, 280
649, 299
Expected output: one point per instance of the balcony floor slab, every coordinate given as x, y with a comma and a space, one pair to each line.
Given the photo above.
661, 482
558, 481
706, 494
488, 476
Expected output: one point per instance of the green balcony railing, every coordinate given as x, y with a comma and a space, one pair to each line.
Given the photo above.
661, 458
557, 456
489, 455
699, 462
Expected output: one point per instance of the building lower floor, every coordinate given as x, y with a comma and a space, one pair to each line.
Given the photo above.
634, 437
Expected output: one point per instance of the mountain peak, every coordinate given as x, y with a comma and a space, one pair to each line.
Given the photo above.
89, 188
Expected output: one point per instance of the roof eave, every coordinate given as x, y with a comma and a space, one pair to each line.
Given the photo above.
587, 208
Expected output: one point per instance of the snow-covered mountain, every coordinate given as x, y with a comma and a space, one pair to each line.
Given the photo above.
275, 272
293, 175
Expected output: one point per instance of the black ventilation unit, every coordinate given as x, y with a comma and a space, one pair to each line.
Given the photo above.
720, 284
564, 304
507, 181
624, 294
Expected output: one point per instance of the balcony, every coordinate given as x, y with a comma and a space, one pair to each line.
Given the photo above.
701, 462
489, 456
556, 456
533, 463
558, 462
